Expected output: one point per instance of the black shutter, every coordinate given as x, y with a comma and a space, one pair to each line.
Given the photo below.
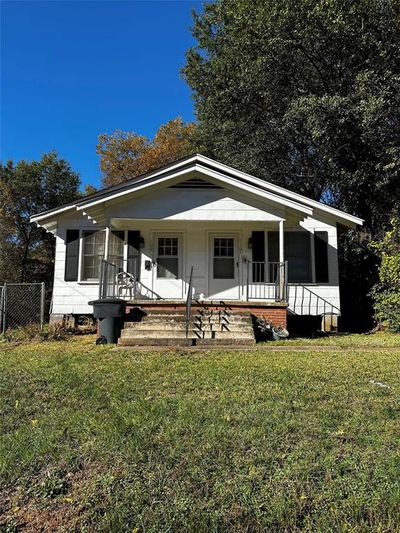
71, 255
258, 255
134, 253
273, 246
321, 256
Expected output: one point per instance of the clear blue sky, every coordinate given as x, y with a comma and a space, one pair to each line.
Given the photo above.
72, 70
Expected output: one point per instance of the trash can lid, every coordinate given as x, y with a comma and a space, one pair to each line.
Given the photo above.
107, 301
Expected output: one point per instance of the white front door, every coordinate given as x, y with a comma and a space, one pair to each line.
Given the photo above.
168, 267
224, 267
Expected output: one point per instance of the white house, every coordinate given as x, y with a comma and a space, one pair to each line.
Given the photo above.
250, 243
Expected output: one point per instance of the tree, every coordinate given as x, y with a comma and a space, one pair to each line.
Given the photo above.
27, 251
386, 293
304, 93
125, 155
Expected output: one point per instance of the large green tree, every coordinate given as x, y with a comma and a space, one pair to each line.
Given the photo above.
305, 93
26, 188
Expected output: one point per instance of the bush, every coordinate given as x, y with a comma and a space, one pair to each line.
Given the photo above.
386, 293
53, 332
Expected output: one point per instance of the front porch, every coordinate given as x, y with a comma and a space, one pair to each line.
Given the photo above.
218, 260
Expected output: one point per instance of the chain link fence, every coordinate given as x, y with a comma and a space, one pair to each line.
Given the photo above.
21, 304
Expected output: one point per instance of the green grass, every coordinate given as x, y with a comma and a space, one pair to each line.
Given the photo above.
98, 439
346, 340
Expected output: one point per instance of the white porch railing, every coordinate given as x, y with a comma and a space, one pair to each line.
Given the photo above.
266, 280
114, 282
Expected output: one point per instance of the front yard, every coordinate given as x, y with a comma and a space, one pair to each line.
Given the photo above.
99, 439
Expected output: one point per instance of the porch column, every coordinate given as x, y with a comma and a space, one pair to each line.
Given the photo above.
281, 261
107, 242
281, 243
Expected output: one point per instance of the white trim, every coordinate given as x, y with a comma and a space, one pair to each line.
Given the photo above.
281, 242
259, 187
281, 190
36, 218
181, 234
238, 237
312, 251
247, 188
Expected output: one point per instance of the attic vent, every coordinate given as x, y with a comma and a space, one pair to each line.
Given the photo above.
195, 183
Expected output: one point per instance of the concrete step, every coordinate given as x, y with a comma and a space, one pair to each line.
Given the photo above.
152, 333
159, 326
222, 327
152, 320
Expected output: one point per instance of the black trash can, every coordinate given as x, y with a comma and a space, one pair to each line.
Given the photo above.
109, 312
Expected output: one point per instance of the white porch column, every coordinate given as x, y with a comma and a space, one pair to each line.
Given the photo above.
281, 243
281, 261
107, 242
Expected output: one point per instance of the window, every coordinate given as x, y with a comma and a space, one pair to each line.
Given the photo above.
224, 259
116, 249
168, 259
92, 254
297, 251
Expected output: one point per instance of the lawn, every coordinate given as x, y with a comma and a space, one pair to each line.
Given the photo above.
99, 439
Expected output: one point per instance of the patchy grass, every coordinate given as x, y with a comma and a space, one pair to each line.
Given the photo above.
96, 439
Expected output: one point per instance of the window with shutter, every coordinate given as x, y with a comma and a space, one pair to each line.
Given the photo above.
297, 249
92, 254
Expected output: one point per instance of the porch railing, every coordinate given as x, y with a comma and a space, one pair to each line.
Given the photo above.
266, 280
114, 282
304, 301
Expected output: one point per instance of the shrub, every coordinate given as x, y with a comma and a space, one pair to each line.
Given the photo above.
53, 332
386, 293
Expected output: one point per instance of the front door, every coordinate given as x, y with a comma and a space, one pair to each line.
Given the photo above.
168, 267
224, 267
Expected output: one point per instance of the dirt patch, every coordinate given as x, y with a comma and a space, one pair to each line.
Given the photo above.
45, 506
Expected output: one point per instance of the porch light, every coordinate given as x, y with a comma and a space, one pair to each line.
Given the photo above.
141, 242
250, 243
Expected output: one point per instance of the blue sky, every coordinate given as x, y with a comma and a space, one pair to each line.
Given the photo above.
72, 70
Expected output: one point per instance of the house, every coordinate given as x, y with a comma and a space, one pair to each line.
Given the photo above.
231, 238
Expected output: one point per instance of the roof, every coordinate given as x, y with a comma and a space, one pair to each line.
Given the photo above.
219, 172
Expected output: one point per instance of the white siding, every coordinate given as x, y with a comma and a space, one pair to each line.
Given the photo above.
199, 208
195, 204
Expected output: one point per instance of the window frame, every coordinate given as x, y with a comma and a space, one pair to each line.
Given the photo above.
80, 262
176, 256
311, 233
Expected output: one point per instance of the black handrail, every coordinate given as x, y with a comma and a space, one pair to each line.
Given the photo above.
189, 302
319, 300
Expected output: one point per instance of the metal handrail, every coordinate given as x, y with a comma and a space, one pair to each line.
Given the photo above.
189, 302
326, 304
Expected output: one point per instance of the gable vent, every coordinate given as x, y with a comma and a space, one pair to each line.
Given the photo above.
195, 183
